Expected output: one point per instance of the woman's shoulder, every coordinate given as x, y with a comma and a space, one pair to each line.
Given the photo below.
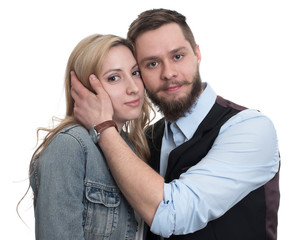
72, 147
77, 133
70, 139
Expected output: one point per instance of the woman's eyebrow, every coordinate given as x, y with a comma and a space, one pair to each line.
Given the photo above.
112, 70
135, 65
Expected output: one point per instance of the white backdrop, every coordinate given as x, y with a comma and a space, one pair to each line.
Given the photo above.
247, 56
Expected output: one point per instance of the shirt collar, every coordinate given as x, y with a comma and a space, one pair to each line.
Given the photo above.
191, 121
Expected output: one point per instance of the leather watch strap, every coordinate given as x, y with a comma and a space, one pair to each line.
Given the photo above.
104, 125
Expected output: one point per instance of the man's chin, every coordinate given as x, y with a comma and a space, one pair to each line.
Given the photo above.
174, 106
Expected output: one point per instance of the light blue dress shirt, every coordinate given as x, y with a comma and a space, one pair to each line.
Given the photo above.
243, 157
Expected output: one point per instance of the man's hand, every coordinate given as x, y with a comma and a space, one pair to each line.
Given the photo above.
90, 109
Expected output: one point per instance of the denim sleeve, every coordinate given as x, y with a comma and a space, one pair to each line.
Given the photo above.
59, 199
243, 157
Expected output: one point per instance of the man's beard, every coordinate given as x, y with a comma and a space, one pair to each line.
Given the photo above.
174, 109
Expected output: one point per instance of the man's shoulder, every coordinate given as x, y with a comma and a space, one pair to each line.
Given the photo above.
229, 104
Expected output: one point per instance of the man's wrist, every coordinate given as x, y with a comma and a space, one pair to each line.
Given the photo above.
96, 130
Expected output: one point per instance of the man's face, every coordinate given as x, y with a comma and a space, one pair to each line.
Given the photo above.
169, 68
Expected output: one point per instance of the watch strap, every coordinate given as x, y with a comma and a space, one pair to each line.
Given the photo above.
104, 125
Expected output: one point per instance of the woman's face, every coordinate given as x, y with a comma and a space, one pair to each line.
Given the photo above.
121, 79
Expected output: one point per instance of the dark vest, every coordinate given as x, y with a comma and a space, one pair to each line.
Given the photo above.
254, 217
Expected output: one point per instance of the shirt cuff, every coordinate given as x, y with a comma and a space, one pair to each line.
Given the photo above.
164, 220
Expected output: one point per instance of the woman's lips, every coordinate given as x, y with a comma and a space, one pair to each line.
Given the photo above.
134, 103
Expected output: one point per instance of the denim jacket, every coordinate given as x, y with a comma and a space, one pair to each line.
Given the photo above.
75, 195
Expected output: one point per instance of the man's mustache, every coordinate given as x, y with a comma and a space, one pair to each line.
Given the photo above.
168, 84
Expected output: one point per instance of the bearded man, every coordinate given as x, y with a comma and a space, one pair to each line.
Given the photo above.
213, 171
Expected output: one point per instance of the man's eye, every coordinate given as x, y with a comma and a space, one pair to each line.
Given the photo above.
152, 64
178, 57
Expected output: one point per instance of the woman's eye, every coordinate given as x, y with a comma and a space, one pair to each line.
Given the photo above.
136, 73
113, 78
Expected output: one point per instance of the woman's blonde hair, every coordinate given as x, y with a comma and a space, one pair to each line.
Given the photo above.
88, 58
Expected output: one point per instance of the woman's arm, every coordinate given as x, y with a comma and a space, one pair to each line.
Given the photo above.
59, 201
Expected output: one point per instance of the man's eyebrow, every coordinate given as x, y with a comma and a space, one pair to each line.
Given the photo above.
177, 50
149, 58
155, 58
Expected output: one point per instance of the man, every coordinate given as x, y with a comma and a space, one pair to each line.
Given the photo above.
218, 161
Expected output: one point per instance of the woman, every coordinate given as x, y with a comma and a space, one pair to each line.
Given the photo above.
75, 196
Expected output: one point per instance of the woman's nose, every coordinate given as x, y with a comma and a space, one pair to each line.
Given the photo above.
132, 87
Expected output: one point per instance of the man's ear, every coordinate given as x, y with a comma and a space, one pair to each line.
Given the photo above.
198, 53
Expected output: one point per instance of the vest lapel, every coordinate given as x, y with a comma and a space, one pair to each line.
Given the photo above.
183, 157
154, 135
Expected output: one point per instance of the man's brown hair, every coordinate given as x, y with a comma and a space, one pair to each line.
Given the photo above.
154, 19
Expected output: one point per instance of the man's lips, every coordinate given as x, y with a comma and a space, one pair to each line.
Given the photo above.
172, 88
133, 103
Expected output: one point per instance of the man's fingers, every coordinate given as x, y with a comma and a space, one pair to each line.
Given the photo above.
75, 83
90, 108
75, 86
95, 83
78, 91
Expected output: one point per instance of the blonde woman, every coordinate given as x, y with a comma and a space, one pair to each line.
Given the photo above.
75, 195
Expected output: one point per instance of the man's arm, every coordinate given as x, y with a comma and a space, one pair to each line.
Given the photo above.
140, 184
244, 156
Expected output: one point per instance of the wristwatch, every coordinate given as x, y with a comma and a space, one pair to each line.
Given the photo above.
96, 130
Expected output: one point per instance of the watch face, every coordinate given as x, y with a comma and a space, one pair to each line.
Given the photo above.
93, 134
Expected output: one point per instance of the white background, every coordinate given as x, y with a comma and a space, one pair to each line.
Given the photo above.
247, 56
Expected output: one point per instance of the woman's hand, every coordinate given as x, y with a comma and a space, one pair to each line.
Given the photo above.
90, 109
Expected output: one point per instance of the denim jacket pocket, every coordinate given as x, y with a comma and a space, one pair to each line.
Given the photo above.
102, 213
